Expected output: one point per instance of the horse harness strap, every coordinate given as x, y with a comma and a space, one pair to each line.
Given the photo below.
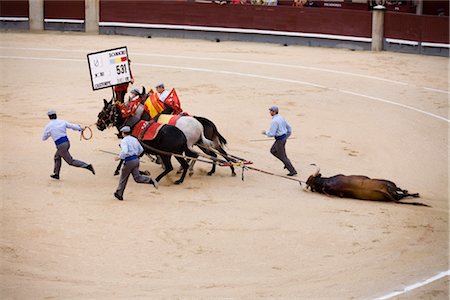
144, 130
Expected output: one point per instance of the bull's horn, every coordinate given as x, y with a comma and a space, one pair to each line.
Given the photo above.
318, 169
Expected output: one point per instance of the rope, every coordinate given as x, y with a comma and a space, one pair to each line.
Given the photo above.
241, 162
282, 176
214, 161
84, 136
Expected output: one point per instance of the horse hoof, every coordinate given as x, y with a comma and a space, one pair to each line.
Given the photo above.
116, 173
178, 182
233, 174
191, 173
210, 173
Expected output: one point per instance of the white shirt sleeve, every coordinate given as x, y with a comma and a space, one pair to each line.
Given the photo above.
73, 126
124, 147
46, 133
140, 149
163, 95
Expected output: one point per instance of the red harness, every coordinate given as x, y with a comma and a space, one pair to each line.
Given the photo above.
146, 130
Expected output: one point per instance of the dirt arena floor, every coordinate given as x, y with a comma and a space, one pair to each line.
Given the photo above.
384, 115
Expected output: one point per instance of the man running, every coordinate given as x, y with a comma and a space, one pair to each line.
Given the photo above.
57, 130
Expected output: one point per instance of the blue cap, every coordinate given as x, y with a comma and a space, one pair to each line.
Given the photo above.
125, 129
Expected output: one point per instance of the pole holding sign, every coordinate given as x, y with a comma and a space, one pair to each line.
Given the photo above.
109, 68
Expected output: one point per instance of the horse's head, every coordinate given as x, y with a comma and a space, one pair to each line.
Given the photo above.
105, 116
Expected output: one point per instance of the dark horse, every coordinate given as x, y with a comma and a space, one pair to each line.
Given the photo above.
168, 140
210, 132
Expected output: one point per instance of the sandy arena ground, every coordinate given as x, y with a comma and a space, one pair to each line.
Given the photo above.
384, 115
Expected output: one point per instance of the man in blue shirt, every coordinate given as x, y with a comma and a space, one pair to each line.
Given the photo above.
57, 130
131, 150
280, 130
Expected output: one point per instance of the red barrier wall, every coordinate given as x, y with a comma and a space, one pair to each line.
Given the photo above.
435, 29
279, 18
15, 8
61, 9
416, 28
321, 20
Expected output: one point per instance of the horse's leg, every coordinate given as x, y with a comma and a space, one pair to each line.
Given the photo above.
191, 166
117, 171
167, 165
185, 166
225, 155
213, 154
190, 162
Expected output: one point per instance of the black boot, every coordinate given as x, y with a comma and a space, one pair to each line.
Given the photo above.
55, 176
90, 168
118, 196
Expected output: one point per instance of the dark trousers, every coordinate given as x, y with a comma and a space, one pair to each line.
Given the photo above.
120, 96
130, 167
279, 151
63, 152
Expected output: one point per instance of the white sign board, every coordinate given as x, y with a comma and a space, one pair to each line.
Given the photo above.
109, 68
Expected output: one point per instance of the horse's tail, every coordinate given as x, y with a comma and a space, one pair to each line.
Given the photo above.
215, 133
206, 141
222, 140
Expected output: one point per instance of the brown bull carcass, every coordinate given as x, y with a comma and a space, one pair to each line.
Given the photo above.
359, 187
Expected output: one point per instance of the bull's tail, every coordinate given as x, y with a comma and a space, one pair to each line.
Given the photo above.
413, 203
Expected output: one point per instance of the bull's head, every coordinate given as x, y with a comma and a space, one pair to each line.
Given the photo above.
310, 183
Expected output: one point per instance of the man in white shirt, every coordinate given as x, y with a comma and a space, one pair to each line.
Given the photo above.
162, 95
57, 130
162, 92
280, 130
131, 150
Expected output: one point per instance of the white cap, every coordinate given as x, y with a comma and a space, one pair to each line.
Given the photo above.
274, 109
125, 129
51, 112
134, 91
160, 85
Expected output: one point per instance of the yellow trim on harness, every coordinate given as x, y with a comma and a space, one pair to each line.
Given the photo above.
164, 118
153, 106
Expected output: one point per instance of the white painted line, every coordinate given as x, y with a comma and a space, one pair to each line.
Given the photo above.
437, 45
233, 73
48, 49
249, 75
75, 21
437, 90
273, 64
402, 42
225, 60
415, 286
44, 58
396, 104
237, 30
14, 19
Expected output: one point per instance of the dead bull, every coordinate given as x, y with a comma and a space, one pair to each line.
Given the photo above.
359, 187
